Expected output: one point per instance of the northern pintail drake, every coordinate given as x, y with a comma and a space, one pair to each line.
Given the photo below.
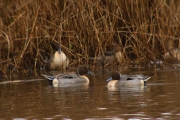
117, 80
58, 60
71, 78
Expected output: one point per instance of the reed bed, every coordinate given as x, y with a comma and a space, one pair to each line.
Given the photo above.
145, 30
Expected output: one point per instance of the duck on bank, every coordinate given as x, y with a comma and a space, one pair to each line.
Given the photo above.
58, 60
173, 53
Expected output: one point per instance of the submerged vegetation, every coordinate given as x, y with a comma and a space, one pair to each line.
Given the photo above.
145, 30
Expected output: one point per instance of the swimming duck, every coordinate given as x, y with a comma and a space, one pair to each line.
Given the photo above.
117, 80
71, 78
58, 60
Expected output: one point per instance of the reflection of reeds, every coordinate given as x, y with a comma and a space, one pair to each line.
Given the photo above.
84, 28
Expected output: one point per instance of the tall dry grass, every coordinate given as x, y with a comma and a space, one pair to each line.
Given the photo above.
144, 29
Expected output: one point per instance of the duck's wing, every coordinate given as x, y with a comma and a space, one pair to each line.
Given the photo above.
68, 76
136, 77
142, 77
127, 77
70, 79
51, 77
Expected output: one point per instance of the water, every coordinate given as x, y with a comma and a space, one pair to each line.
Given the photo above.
37, 99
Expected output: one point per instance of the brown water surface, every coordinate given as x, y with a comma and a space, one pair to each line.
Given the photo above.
39, 100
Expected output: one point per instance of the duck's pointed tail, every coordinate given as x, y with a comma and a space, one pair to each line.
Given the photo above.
148, 77
48, 77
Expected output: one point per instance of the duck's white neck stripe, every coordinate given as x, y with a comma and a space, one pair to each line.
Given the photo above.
112, 83
83, 76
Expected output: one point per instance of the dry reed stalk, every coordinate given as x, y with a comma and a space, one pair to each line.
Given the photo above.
86, 28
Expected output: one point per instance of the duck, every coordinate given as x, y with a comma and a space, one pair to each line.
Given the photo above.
103, 59
71, 78
117, 80
173, 53
118, 55
58, 60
